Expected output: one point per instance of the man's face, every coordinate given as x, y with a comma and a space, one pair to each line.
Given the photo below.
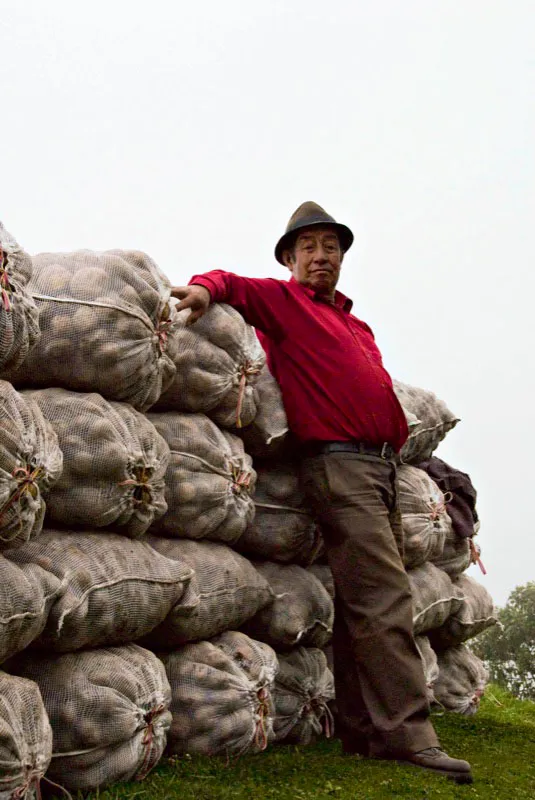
316, 260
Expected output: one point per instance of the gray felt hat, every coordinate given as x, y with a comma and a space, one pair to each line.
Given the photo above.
307, 215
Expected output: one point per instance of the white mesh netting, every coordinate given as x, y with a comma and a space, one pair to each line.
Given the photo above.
301, 612
222, 696
117, 589
30, 462
209, 479
19, 317
434, 597
225, 591
25, 738
425, 521
109, 712
283, 528
323, 573
461, 681
475, 614
304, 686
27, 593
114, 462
106, 323
217, 364
433, 418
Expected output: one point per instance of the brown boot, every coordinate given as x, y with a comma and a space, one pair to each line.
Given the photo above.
435, 759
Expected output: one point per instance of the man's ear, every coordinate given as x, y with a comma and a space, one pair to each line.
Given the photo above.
287, 257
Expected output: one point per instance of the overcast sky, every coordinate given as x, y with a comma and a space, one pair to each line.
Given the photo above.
193, 131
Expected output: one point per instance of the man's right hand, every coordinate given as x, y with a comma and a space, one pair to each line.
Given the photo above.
195, 297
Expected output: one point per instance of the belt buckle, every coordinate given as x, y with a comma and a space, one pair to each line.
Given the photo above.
384, 450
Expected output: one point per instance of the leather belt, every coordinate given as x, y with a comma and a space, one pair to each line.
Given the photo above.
318, 447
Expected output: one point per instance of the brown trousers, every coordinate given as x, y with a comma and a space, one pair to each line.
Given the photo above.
380, 685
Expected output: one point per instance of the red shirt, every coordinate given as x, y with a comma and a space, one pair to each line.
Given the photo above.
328, 367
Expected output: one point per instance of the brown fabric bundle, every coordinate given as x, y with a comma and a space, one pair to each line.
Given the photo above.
19, 317
106, 323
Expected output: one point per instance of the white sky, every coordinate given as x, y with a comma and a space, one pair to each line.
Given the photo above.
193, 131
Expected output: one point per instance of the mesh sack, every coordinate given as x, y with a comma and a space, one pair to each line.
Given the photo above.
429, 664
456, 555
114, 462
301, 612
117, 590
217, 365
461, 681
434, 597
225, 591
268, 434
283, 528
433, 421
209, 479
30, 463
25, 738
109, 712
106, 323
27, 593
19, 317
304, 686
324, 574
475, 614
222, 694
424, 518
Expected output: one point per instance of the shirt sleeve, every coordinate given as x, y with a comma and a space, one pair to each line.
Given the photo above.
262, 302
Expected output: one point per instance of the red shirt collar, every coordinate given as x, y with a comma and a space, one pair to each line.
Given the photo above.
340, 300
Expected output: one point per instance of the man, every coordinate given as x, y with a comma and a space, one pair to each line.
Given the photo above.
343, 411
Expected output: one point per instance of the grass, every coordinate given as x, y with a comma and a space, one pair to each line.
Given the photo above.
499, 741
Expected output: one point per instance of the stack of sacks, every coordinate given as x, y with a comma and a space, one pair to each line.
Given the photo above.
166, 531
76, 593
216, 497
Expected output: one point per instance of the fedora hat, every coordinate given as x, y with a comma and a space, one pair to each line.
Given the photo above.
308, 215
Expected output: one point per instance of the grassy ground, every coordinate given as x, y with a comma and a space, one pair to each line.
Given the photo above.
499, 742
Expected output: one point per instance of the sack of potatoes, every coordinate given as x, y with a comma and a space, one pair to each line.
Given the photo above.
218, 362
209, 480
26, 740
30, 463
114, 462
115, 589
222, 696
106, 326
19, 316
109, 712
283, 528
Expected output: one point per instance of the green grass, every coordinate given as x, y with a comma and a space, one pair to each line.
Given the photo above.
499, 741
